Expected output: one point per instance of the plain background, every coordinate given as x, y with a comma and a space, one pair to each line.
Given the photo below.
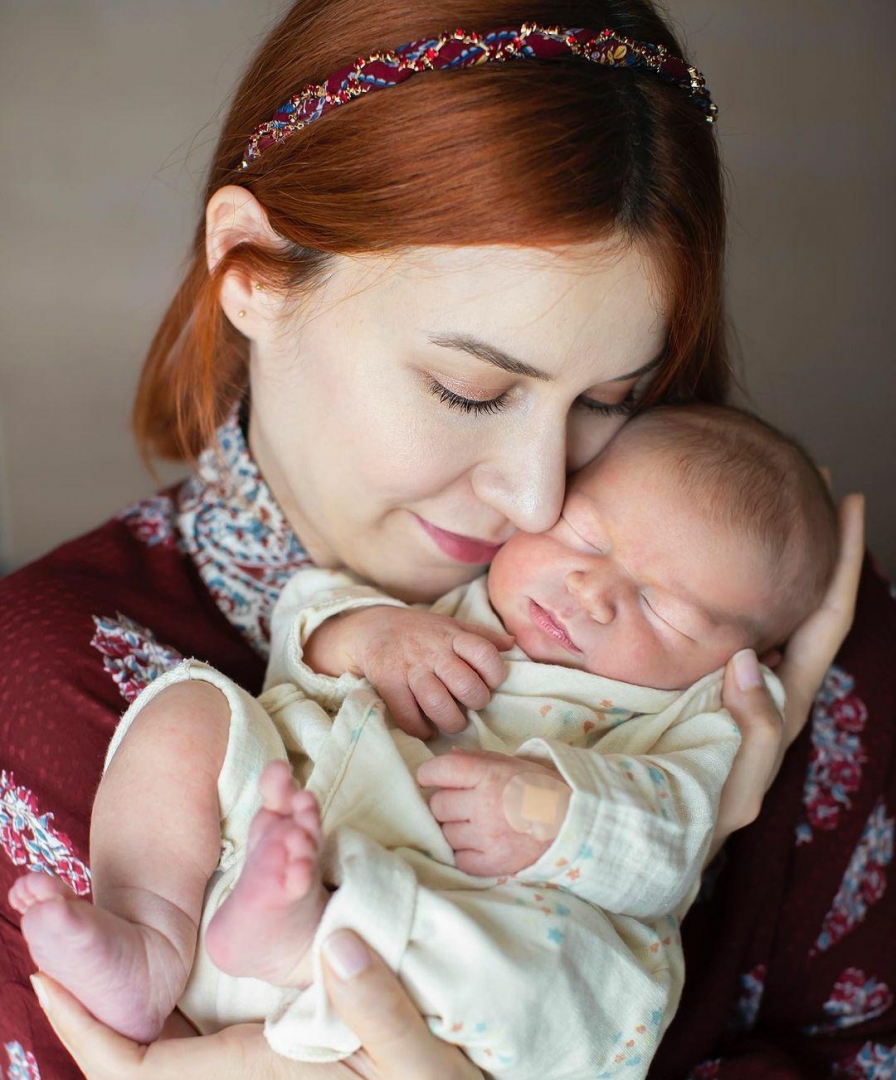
109, 108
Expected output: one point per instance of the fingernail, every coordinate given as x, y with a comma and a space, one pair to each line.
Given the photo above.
39, 991
746, 670
345, 954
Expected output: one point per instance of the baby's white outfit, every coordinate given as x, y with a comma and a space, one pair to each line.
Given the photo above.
571, 968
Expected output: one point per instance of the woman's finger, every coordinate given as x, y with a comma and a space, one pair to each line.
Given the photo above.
758, 759
240, 1052
374, 1004
814, 645
100, 1053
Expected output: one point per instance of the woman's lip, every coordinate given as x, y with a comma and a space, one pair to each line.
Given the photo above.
546, 622
463, 548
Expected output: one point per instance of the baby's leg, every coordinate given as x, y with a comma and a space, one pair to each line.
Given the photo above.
265, 926
154, 842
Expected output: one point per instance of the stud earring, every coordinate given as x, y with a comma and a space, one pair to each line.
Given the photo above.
259, 286
241, 314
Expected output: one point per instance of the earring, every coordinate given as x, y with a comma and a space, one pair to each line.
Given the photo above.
259, 286
241, 314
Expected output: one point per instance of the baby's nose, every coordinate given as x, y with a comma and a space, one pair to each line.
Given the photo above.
592, 592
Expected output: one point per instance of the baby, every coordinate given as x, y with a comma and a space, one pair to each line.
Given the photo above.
532, 906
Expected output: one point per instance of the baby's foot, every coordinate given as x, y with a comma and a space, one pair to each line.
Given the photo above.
266, 924
128, 975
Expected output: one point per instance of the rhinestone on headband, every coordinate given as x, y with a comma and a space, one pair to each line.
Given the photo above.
458, 49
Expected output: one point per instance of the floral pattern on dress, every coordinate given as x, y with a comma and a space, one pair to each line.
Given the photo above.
22, 1063
707, 1070
873, 1062
864, 882
153, 521
132, 654
237, 535
746, 1008
856, 998
835, 763
29, 838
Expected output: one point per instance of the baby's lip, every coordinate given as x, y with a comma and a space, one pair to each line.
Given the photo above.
546, 621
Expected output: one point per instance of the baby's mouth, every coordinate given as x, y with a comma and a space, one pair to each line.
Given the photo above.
548, 623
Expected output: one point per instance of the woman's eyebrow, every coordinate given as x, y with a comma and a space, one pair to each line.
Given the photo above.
649, 366
500, 359
492, 355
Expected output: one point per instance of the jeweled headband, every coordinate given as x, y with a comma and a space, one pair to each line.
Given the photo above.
459, 49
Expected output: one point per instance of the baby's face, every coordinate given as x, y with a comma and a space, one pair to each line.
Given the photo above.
632, 583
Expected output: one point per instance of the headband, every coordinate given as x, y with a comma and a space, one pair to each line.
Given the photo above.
458, 49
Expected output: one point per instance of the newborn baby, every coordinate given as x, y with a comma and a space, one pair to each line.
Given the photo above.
532, 906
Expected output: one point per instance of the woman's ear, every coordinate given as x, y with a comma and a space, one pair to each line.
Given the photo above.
234, 216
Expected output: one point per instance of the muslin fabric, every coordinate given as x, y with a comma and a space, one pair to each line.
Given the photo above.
571, 967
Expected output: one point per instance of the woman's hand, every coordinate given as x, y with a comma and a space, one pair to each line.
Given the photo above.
367, 995
810, 652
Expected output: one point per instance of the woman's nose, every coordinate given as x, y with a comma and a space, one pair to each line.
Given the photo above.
592, 590
526, 482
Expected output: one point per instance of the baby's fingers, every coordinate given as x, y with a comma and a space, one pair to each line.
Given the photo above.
403, 709
462, 682
435, 701
482, 655
499, 638
453, 804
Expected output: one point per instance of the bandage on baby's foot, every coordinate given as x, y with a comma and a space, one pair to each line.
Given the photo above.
535, 804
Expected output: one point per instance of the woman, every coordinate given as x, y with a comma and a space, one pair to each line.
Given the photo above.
441, 299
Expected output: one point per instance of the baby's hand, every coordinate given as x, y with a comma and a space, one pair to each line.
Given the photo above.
421, 664
470, 809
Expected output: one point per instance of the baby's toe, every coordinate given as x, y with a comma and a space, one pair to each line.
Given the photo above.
34, 888
277, 786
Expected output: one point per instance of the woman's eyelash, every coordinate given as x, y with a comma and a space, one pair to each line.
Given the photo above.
493, 405
467, 405
622, 408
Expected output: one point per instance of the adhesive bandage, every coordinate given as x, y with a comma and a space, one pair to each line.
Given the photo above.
535, 804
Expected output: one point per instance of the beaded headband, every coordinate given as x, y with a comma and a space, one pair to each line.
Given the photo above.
458, 49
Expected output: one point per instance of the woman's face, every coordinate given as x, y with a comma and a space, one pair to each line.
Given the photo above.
416, 410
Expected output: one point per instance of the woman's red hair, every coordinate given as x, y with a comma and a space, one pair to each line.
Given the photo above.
530, 153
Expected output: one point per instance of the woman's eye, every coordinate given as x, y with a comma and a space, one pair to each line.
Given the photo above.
621, 408
467, 405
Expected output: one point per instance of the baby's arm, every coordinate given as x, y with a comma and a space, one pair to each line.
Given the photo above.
328, 625
638, 829
421, 664
626, 832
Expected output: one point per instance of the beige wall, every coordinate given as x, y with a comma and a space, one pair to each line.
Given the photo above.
108, 110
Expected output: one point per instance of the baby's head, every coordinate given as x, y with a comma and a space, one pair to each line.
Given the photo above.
698, 532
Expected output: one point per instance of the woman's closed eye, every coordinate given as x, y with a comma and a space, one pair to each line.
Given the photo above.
605, 408
467, 405
495, 404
